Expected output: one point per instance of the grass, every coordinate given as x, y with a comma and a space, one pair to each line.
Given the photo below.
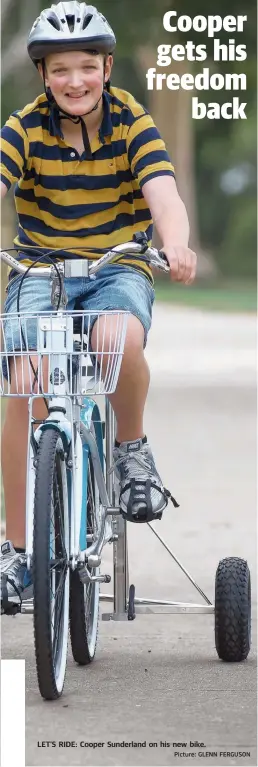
227, 296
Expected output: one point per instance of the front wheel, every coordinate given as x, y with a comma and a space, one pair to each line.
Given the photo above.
51, 565
233, 609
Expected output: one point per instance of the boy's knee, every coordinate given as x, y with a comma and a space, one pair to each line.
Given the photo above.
25, 377
105, 334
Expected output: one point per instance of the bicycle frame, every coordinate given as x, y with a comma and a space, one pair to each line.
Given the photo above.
83, 415
82, 412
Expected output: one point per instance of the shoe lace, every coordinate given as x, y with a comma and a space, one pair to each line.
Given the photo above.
134, 463
14, 560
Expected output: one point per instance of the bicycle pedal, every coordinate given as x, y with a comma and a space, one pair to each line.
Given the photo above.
12, 609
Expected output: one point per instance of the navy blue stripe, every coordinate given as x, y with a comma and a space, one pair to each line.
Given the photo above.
32, 254
34, 119
107, 152
33, 224
77, 182
70, 211
150, 134
151, 159
6, 181
10, 165
156, 173
115, 100
13, 138
122, 118
141, 215
30, 174
149, 232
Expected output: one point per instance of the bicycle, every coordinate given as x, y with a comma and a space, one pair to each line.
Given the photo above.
69, 502
72, 504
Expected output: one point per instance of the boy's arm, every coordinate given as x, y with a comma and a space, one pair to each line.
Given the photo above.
151, 165
171, 220
14, 144
4, 190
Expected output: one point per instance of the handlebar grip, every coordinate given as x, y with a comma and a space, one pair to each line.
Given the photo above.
164, 257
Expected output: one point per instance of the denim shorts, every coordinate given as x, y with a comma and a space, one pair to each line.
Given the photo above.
115, 287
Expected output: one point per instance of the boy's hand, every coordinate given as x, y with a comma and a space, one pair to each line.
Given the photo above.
182, 263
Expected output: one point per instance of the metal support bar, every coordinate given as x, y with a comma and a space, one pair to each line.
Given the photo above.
120, 553
144, 606
179, 564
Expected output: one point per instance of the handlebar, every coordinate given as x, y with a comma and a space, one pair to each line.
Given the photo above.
151, 255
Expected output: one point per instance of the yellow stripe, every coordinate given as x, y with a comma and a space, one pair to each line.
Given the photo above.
157, 166
13, 153
79, 196
35, 105
140, 125
87, 167
6, 173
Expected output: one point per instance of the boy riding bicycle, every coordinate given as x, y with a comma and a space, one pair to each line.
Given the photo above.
92, 170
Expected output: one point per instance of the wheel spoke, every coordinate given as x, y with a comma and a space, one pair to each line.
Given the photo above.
57, 509
84, 598
58, 610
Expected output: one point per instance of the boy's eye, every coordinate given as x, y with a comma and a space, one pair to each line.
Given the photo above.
62, 71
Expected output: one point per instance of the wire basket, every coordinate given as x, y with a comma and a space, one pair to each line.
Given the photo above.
57, 344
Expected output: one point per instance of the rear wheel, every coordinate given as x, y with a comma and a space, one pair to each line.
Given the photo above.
84, 598
51, 565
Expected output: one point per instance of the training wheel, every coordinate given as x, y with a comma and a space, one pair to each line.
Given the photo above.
131, 606
233, 609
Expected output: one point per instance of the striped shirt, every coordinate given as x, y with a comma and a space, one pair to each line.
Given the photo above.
94, 200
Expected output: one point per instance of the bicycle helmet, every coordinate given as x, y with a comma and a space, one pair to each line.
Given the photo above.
70, 26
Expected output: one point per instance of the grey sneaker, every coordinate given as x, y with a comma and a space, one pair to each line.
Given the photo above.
13, 575
142, 495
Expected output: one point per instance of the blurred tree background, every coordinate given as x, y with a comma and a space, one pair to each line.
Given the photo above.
215, 160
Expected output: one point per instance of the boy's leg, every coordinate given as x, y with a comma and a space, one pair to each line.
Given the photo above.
142, 494
14, 462
133, 385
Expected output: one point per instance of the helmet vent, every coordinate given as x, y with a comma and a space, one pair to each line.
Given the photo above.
87, 20
71, 22
54, 22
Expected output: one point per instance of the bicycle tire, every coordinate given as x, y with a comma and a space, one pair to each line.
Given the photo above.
50, 546
84, 598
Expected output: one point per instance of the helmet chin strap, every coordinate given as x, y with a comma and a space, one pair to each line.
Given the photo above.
76, 119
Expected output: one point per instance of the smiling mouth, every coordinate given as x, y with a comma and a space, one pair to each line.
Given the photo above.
77, 95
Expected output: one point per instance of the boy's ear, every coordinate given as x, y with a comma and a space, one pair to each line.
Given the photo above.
43, 73
40, 70
108, 67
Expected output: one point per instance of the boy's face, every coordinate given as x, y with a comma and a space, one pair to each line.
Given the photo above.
76, 79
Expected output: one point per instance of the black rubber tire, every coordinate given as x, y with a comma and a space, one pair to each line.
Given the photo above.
131, 605
83, 635
233, 610
49, 481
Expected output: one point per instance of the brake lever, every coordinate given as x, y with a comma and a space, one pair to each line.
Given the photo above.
160, 260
